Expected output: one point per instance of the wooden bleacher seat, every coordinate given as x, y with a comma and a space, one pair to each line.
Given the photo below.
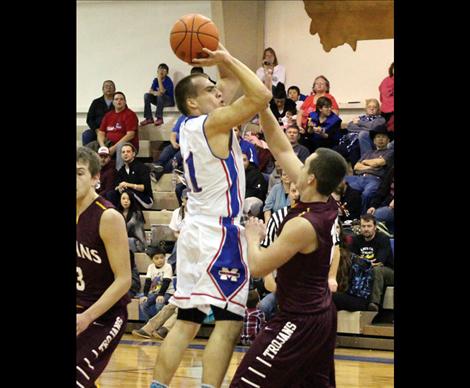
133, 310
353, 322
388, 299
165, 200
157, 217
164, 184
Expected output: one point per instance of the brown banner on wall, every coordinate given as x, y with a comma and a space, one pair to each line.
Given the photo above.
347, 21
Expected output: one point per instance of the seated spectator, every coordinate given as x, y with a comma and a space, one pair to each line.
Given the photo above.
277, 198
176, 224
323, 128
374, 246
300, 150
98, 108
161, 94
160, 324
135, 222
248, 148
134, 177
164, 164
382, 203
387, 92
362, 125
294, 94
349, 202
254, 319
321, 88
275, 176
280, 104
371, 168
107, 173
119, 126
271, 72
159, 286
255, 188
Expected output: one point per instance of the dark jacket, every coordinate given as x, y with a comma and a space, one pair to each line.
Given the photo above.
98, 109
256, 185
383, 196
138, 174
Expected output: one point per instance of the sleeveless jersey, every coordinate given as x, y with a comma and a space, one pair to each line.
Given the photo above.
94, 274
217, 186
302, 283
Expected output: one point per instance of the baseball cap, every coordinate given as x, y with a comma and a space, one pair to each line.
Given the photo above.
103, 151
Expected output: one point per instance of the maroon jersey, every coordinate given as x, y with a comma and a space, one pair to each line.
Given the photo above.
94, 274
302, 283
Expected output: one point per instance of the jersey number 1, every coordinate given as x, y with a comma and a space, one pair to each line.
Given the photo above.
192, 173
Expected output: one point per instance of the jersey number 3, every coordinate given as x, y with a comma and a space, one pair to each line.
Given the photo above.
80, 282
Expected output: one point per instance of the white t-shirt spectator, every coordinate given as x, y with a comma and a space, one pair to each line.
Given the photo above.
164, 272
176, 222
279, 74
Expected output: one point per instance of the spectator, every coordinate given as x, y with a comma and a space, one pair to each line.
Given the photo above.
254, 319
375, 246
280, 104
362, 125
382, 204
277, 198
118, 126
275, 176
255, 188
371, 168
348, 201
133, 176
300, 150
270, 67
248, 148
294, 94
387, 91
107, 173
176, 224
160, 324
320, 88
164, 164
160, 94
134, 221
159, 288
98, 108
323, 128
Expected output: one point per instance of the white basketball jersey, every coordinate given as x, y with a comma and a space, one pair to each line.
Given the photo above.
217, 186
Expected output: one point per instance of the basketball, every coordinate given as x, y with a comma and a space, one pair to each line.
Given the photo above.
190, 34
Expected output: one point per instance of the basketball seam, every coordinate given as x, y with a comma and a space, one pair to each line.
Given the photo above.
191, 41
184, 37
199, 33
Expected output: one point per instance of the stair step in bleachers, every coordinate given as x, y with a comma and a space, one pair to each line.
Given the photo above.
164, 200
379, 330
164, 184
154, 133
388, 299
162, 217
353, 322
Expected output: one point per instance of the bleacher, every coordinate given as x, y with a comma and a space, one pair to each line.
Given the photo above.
355, 329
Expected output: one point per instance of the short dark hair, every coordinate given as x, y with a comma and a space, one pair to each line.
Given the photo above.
329, 168
164, 66
391, 70
323, 101
294, 88
185, 89
121, 93
197, 69
368, 217
155, 250
129, 145
88, 156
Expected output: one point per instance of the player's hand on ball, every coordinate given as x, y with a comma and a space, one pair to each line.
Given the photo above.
214, 57
255, 228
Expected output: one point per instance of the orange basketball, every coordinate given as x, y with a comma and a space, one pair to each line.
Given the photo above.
190, 34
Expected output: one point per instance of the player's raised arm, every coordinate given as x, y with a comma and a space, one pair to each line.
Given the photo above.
255, 98
279, 145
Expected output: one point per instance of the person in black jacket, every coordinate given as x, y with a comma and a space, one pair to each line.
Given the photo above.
375, 246
382, 203
98, 108
133, 176
256, 188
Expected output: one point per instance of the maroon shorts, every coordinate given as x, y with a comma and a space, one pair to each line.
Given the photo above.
293, 350
96, 345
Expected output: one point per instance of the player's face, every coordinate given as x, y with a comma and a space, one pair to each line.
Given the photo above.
208, 96
85, 182
125, 201
304, 176
368, 229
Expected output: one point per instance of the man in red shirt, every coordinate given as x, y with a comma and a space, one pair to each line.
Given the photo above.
118, 127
